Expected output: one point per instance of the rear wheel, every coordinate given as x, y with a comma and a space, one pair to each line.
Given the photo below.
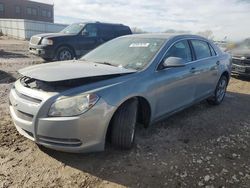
123, 125
220, 91
64, 53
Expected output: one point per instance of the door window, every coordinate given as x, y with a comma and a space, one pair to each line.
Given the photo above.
201, 49
107, 32
180, 49
91, 30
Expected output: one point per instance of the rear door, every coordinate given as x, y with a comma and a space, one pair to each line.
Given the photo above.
106, 32
206, 68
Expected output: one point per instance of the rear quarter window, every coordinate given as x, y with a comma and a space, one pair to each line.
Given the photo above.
213, 52
201, 49
122, 30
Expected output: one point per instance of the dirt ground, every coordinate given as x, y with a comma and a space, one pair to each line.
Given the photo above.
203, 146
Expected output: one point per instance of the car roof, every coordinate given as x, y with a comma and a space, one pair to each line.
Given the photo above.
102, 23
167, 36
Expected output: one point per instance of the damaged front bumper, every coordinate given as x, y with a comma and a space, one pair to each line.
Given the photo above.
84, 133
42, 51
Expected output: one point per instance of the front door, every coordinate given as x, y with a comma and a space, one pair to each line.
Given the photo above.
175, 86
88, 39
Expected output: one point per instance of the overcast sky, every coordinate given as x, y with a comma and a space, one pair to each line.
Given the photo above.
229, 18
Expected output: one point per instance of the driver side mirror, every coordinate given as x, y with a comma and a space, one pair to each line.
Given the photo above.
173, 62
85, 33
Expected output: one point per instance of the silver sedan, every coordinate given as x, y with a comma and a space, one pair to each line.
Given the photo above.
79, 105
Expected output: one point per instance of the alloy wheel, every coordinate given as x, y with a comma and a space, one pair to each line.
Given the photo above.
65, 55
221, 90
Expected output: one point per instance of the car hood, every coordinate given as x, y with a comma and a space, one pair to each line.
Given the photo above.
69, 70
51, 35
241, 52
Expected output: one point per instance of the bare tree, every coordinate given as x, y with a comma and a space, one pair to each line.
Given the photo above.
177, 31
137, 30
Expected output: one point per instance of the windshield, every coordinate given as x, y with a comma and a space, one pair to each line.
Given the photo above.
73, 28
127, 52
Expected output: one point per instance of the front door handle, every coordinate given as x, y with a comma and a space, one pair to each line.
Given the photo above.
192, 70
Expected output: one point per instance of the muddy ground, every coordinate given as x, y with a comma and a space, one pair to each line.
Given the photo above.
203, 146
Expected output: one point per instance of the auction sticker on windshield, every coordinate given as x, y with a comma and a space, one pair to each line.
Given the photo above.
139, 45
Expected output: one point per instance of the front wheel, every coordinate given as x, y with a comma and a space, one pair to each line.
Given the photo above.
64, 53
47, 59
220, 91
123, 125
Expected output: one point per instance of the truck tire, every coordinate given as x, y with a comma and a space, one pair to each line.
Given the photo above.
64, 53
47, 59
219, 92
123, 125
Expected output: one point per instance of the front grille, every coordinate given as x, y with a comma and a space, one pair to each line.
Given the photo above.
247, 61
23, 115
237, 61
35, 40
28, 98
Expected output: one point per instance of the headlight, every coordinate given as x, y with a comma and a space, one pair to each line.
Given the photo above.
72, 106
47, 42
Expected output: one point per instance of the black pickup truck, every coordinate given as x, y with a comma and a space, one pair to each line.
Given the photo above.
75, 40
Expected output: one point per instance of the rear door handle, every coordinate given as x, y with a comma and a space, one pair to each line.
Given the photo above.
192, 70
218, 62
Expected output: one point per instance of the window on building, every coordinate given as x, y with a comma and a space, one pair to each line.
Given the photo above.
29, 11
49, 14
1, 8
44, 13
18, 9
34, 11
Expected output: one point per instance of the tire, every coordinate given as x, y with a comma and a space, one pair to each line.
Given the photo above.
123, 125
47, 59
64, 53
219, 92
